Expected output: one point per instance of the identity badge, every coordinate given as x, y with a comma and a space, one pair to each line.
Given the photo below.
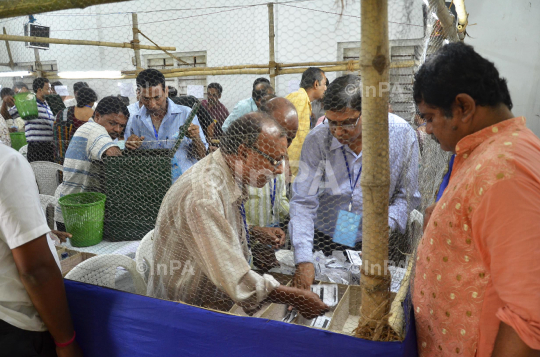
347, 226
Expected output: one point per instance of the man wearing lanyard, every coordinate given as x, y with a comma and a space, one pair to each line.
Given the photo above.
326, 207
201, 230
267, 208
158, 122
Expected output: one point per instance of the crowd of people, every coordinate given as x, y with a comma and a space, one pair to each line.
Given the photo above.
273, 168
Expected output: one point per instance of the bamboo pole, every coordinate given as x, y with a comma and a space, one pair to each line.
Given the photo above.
463, 18
271, 39
13, 8
446, 18
375, 278
312, 64
198, 69
39, 68
339, 66
260, 69
79, 42
136, 42
163, 49
11, 64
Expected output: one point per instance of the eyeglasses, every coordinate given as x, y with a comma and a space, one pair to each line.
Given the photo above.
346, 124
272, 161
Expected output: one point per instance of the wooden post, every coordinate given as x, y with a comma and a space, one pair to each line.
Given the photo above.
463, 18
271, 39
446, 19
62, 41
11, 63
39, 68
11, 8
136, 42
375, 181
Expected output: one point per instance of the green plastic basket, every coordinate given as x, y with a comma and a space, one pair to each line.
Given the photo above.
26, 105
18, 140
83, 216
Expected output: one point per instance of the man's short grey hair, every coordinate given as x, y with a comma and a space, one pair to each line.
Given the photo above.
246, 130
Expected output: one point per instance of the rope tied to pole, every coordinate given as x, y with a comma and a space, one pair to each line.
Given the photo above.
350, 66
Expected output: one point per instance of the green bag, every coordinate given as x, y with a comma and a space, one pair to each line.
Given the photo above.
26, 104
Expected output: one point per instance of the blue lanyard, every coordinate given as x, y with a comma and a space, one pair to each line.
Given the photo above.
155, 133
243, 213
350, 178
273, 196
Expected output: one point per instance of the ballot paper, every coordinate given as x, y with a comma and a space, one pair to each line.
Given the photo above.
196, 90
126, 89
321, 322
355, 257
327, 292
61, 91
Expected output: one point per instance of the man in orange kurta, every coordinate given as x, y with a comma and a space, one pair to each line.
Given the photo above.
477, 284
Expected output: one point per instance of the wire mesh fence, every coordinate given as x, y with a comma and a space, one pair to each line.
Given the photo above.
229, 149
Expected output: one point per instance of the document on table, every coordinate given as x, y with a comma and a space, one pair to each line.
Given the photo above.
321, 322
354, 256
327, 292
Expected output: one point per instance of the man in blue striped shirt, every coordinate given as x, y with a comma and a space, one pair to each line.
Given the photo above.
91, 142
39, 132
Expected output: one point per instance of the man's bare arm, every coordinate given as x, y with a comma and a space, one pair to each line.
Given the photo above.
508, 343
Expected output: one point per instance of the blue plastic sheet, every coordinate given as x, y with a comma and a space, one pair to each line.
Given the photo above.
114, 323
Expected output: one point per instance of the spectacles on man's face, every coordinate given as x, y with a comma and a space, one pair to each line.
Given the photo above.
345, 124
275, 163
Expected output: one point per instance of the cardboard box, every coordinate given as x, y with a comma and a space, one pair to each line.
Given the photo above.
74, 258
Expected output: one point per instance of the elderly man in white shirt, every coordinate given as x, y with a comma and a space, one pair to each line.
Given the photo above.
202, 252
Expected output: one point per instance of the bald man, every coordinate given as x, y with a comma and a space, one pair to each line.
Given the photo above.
267, 208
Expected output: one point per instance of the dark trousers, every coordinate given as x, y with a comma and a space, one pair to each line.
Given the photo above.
40, 151
15, 342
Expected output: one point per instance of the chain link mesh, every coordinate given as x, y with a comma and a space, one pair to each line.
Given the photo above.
224, 190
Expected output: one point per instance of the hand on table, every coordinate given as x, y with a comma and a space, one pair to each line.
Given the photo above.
310, 305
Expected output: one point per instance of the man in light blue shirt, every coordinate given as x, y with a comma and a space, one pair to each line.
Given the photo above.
158, 122
261, 89
327, 189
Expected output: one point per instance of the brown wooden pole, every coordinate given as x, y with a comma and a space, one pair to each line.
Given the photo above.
271, 41
13, 8
11, 64
79, 42
446, 19
375, 278
39, 68
341, 66
136, 42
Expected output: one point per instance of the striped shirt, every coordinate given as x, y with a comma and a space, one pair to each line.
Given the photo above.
89, 143
259, 209
40, 129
